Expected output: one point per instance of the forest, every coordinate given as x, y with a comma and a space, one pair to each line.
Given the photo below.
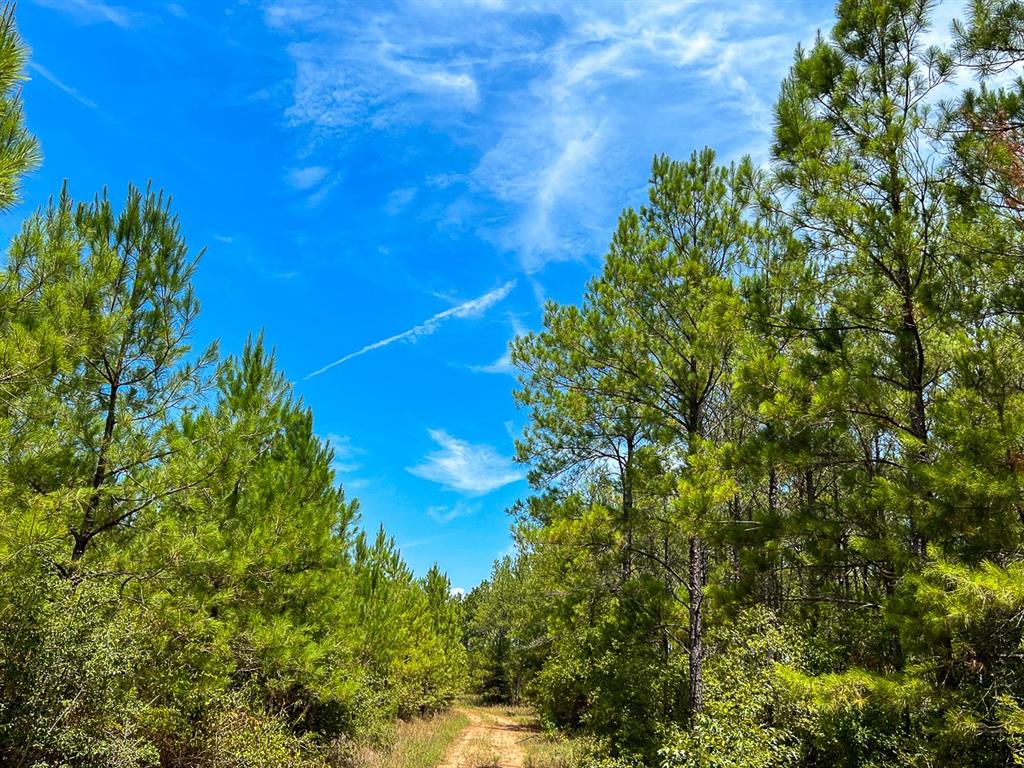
776, 452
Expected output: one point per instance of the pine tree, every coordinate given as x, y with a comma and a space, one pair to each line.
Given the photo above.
128, 375
673, 268
19, 150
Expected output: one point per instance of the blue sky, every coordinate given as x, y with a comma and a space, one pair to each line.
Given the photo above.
390, 190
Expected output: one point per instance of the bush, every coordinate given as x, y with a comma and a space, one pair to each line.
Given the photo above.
67, 659
739, 726
242, 738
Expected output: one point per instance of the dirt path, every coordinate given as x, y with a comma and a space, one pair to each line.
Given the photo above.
489, 741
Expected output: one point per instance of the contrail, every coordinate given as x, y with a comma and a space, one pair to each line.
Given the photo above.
469, 308
48, 75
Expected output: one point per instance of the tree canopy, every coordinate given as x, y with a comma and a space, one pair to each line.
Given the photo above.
778, 518
777, 454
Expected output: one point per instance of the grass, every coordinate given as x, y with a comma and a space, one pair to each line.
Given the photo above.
480, 754
419, 743
522, 715
548, 749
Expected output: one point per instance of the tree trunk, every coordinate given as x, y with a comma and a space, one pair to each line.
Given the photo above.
627, 510
697, 581
84, 535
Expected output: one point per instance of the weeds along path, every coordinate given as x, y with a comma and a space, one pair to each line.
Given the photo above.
489, 741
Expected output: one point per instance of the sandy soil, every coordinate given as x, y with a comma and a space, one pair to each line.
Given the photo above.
489, 741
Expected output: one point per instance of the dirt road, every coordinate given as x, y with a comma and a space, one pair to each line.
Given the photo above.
489, 741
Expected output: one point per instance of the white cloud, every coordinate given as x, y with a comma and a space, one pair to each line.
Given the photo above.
563, 103
465, 467
306, 178
620, 87
355, 68
445, 514
345, 453
504, 363
472, 308
399, 199
457, 86
457, 592
94, 11
52, 78
420, 542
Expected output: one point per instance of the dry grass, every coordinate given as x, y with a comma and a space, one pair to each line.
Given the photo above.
480, 753
419, 743
520, 715
550, 751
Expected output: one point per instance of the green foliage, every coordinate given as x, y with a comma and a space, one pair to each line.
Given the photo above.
182, 580
777, 446
67, 664
778, 449
496, 641
240, 738
19, 151
748, 721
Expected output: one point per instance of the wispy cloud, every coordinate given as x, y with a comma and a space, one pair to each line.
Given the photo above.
563, 103
95, 11
466, 467
472, 308
54, 80
350, 66
420, 542
306, 178
445, 514
504, 363
373, 73
345, 453
399, 199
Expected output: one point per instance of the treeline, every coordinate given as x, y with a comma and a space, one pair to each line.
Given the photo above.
779, 446
182, 580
